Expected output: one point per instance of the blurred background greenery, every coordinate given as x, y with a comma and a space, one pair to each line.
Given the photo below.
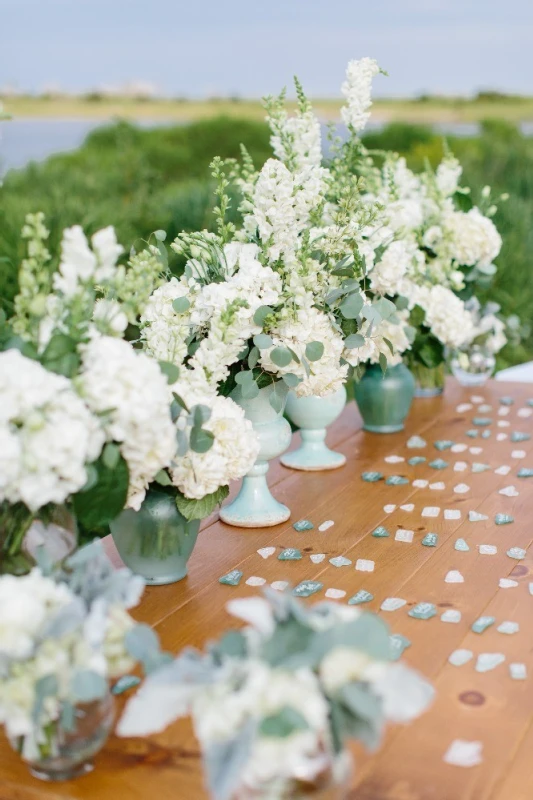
140, 180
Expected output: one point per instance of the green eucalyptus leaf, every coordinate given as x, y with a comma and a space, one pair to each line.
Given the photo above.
401, 303
249, 390
87, 686
281, 356
351, 306
389, 345
160, 235
170, 371
200, 509
201, 414
263, 340
162, 478
244, 377
141, 642
371, 313
282, 724
294, 355
181, 305
104, 500
253, 357
276, 402
261, 314
180, 401
383, 363
291, 379
353, 341
111, 455
201, 440
314, 351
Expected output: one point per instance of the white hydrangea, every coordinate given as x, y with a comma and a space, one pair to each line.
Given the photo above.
297, 329
131, 388
232, 455
47, 434
473, 238
446, 314
163, 330
80, 264
357, 89
400, 259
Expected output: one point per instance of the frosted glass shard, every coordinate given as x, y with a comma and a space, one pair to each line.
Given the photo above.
451, 615
464, 754
460, 657
507, 583
392, 604
461, 545
364, 565
454, 576
488, 661
335, 594
403, 535
431, 511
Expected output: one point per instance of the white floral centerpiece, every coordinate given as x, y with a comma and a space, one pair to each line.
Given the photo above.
274, 705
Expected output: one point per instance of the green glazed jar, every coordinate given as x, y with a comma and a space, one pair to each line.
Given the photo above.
156, 541
384, 400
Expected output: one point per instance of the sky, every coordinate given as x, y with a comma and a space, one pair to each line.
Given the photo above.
202, 48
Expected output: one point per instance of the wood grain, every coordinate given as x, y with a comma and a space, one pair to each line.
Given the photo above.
489, 707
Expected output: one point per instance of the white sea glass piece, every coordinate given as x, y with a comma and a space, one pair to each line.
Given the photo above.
279, 586
365, 565
503, 423
461, 488
335, 594
509, 491
394, 459
464, 754
487, 550
475, 516
503, 411
454, 576
420, 484
518, 454
489, 661
524, 413
254, 580
460, 657
450, 615
388, 509
266, 552
438, 486
507, 583
459, 447
403, 535
407, 507
392, 603
317, 558
476, 398
460, 466
501, 437
475, 450
462, 407
508, 627
452, 513
431, 511
326, 525
518, 671
503, 470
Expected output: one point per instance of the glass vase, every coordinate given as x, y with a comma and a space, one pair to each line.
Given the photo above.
254, 506
55, 753
331, 783
22, 533
384, 399
313, 415
472, 366
156, 541
429, 380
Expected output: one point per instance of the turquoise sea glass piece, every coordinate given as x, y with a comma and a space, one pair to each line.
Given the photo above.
529, 402
340, 561
398, 643
430, 540
444, 444
485, 434
525, 472
519, 436
290, 554
362, 596
380, 532
461, 545
517, 553
482, 624
482, 422
233, 578
396, 480
124, 683
503, 519
372, 477
476, 467
423, 611
506, 401
415, 460
303, 525
307, 588
473, 434
438, 463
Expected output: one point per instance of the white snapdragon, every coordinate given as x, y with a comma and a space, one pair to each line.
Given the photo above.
448, 175
232, 454
274, 209
357, 89
131, 388
47, 432
109, 318
79, 264
472, 237
298, 140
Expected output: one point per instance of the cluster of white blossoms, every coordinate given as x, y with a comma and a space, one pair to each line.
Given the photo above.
164, 330
357, 89
298, 140
296, 329
131, 393
446, 314
80, 264
47, 434
232, 454
274, 210
472, 238
400, 260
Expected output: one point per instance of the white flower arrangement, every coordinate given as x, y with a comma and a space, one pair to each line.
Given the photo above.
272, 715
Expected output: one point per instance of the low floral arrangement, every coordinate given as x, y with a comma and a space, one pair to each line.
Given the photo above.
275, 704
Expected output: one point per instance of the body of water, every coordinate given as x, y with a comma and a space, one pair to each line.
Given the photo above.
25, 140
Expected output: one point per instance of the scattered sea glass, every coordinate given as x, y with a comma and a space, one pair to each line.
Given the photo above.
232, 578
461, 545
326, 525
525, 472
459, 448
485, 434
503, 470
524, 413
518, 671
124, 683
444, 444
380, 532
501, 437
317, 558
408, 507
518, 553
484, 408
279, 586
518, 454
438, 463
503, 519
290, 554
388, 509
464, 754
503, 423
372, 477
431, 511
481, 422
430, 540
303, 525
488, 661
475, 450
481, 624
398, 643
266, 552
450, 615
403, 535
460, 657
364, 565
415, 460
477, 467
460, 466
519, 436
255, 580
529, 402
438, 486
504, 411
472, 433
462, 407
475, 516
508, 627
423, 611
392, 604
362, 596
335, 594
461, 488
416, 442
394, 459
420, 484
396, 480
454, 576
506, 401
452, 513
487, 550
340, 561
307, 588
507, 583
509, 491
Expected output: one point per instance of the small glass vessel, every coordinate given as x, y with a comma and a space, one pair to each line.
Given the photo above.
472, 366
54, 753
429, 381
53, 528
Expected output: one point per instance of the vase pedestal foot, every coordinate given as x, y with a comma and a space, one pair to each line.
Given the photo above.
254, 506
313, 454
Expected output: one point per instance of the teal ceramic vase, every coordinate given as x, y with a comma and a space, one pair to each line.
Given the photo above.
313, 415
384, 400
254, 506
156, 541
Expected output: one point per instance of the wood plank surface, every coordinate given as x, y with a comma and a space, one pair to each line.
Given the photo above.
487, 707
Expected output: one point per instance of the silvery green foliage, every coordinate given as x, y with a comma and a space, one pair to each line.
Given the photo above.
268, 699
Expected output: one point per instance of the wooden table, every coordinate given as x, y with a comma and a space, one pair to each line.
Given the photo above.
490, 707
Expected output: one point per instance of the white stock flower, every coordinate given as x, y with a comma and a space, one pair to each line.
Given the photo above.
301, 141
79, 264
357, 89
274, 209
448, 174
109, 317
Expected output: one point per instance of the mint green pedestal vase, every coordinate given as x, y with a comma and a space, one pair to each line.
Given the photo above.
254, 506
156, 541
384, 400
313, 415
